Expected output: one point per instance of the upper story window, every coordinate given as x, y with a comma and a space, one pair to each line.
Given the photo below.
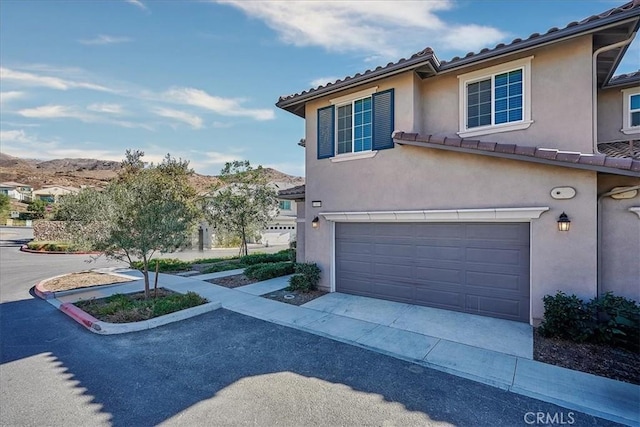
495, 99
631, 111
356, 126
285, 205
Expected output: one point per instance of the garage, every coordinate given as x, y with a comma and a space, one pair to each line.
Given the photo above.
478, 268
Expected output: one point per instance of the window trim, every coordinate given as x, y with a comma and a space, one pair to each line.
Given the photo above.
627, 129
490, 73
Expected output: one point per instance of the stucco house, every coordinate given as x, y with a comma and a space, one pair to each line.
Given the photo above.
53, 193
451, 183
16, 190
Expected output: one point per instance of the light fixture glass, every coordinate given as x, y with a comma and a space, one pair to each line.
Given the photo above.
564, 223
316, 222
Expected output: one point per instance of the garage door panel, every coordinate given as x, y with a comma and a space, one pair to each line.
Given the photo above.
472, 267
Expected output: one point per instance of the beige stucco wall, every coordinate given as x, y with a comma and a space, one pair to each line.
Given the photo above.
620, 239
560, 105
610, 116
300, 231
410, 178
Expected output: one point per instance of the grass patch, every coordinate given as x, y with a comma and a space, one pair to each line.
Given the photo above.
52, 246
123, 308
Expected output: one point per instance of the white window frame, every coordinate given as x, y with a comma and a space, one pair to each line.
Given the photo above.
489, 73
346, 100
627, 129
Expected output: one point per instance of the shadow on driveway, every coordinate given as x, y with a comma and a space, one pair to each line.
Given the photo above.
225, 368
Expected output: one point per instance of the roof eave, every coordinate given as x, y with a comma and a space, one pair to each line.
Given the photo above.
583, 166
295, 104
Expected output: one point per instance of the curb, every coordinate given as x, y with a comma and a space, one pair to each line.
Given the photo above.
105, 328
24, 248
46, 294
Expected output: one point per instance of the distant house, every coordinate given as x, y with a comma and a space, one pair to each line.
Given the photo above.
16, 190
282, 230
483, 183
53, 193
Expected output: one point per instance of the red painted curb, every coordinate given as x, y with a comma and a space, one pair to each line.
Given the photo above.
43, 293
24, 248
82, 317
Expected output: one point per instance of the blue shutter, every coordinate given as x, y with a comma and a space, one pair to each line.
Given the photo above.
382, 120
326, 132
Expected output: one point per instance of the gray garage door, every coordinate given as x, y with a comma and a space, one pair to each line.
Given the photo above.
470, 267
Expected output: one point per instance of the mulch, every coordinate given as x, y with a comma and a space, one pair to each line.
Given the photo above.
615, 363
233, 281
299, 297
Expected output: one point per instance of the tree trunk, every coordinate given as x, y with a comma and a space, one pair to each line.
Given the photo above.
155, 280
145, 273
243, 243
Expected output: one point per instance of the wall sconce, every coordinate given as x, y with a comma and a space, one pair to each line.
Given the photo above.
564, 223
316, 222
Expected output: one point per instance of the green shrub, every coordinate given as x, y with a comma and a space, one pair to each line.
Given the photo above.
176, 302
50, 246
260, 258
306, 278
165, 264
565, 317
269, 270
224, 266
607, 319
616, 321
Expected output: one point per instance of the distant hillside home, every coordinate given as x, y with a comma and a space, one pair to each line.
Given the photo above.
17, 191
483, 183
53, 193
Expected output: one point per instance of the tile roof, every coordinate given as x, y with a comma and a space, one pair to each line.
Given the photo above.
625, 79
621, 149
293, 192
598, 162
627, 10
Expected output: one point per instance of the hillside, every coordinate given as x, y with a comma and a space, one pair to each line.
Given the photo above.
92, 172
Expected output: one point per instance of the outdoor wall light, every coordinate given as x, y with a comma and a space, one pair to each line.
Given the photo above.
563, 222
316, 222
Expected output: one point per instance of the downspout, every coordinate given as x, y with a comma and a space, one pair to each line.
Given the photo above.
599, 225
594, 90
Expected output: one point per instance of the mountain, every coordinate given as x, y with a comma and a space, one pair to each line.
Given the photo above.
92, 172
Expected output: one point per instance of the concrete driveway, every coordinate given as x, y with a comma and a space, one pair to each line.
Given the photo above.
221, 368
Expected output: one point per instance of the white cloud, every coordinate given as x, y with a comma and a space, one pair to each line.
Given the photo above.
321, 81
103, 39
19, 143
181, 116
222, 125
387, 29
9, 96
471, 37
137, 3
222, 106
106, 108
31, 79
54, 112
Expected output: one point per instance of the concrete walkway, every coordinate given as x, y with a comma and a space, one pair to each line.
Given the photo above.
432, 338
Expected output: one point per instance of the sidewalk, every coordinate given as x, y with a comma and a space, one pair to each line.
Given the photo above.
613, 400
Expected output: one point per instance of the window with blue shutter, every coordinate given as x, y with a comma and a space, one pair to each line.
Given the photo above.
363, 124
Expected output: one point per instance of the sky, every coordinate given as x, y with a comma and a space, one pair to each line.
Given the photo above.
199, 79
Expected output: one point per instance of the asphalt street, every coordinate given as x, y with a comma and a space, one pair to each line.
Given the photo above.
218, 369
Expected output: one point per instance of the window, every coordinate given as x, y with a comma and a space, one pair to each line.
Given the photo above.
285, 205
356, 125
634, 110
631, 111
495, 99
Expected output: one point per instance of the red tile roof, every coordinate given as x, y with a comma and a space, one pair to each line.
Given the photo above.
598, 162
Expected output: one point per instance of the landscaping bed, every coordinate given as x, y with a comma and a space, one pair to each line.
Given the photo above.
299, 297
605, 361
84, 279
233, 281
121, 308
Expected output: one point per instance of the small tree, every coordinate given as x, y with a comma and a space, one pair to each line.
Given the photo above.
242, 202
37, 208
147, 210
5, 204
